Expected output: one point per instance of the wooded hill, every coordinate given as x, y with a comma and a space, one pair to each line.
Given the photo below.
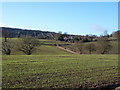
16, 33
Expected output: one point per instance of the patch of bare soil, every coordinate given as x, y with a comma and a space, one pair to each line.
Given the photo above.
67, 50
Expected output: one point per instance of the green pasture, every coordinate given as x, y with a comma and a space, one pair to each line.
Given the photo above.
42, 50
52, 42
59, 71
51, 67
42, 41
113, 50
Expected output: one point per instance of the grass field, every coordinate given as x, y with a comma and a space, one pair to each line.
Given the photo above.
59, 71
51, 67
42, 50
113, 50
52, 42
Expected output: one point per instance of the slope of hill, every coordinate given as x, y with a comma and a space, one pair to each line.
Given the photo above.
43, 50
16, 32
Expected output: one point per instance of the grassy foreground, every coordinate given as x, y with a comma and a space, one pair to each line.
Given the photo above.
58, 71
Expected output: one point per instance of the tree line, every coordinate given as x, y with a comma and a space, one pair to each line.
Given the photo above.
17, 33
103, 46
27, 44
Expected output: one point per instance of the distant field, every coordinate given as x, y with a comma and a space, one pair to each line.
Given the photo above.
114, 49
58, 71
42, 50
43, 41
48, 45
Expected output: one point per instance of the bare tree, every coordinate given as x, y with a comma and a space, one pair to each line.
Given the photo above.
90, 47
117, 35
28, 45
5, 34
104, 45
80, 47
6, 47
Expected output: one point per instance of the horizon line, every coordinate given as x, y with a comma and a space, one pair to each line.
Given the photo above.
50, 31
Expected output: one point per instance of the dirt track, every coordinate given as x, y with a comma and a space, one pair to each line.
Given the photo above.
67, 50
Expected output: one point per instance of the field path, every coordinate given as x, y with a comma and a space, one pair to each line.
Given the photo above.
67, 50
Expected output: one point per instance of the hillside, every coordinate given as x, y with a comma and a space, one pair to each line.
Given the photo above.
43, 50
53, 67
16, 32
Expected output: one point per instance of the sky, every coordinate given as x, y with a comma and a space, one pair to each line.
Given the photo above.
78, 18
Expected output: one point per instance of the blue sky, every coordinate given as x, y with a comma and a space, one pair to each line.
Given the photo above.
79, 18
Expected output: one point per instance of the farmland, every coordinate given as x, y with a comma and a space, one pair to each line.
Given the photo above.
59, 45
59, 71
51, 67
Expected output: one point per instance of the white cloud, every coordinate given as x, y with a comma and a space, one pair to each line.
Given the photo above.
6, 25
2, 24
60, 0
97, 28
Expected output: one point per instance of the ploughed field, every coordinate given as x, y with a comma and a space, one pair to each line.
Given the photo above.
59, 71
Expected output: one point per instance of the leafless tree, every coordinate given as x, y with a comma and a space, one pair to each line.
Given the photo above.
80, 47
90, 47
5, 34
6, 47
104, 45
28, 45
